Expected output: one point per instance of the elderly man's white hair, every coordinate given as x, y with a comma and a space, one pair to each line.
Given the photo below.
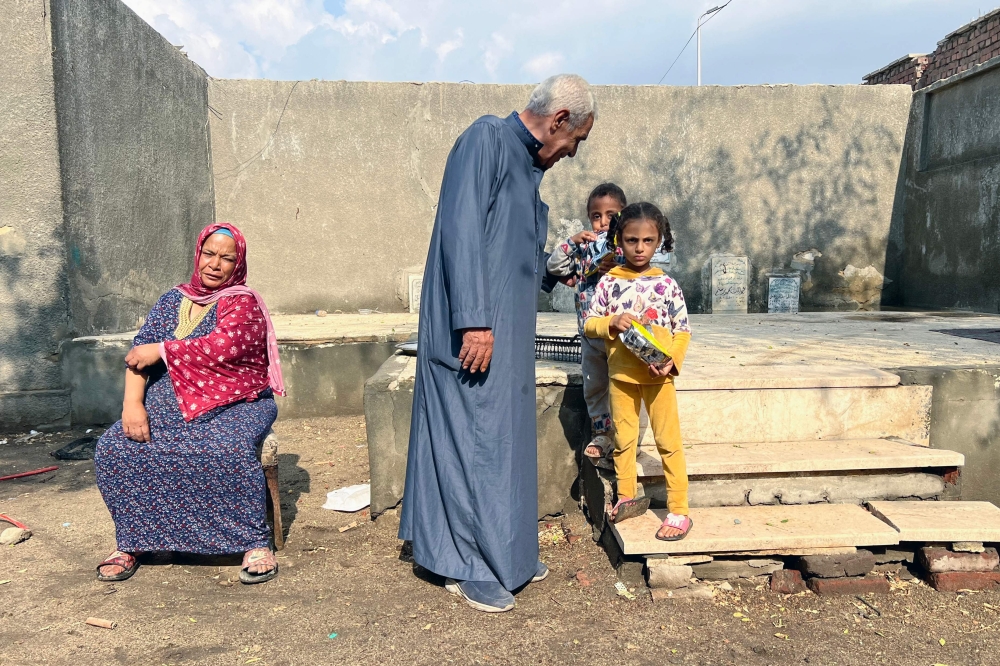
564, 91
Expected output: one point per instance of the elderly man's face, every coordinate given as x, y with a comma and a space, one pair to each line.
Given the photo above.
561, 140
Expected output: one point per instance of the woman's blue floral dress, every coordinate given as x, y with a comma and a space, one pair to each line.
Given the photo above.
197, 486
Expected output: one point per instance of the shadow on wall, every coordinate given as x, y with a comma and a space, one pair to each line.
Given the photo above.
826, 184
34, 321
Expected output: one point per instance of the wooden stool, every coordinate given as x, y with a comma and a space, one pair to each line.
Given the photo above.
268, 456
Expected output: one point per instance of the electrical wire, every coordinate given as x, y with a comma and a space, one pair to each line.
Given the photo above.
711, 16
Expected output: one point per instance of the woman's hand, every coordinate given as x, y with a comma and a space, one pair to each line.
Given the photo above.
584, 237
135, 421
661, 370
622, 322
141, 357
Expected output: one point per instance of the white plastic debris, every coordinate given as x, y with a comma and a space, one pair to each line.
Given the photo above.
349, 499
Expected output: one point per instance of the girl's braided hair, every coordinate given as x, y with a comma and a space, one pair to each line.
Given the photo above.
642, 211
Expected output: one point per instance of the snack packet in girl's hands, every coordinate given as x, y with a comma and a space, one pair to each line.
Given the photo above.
641, 342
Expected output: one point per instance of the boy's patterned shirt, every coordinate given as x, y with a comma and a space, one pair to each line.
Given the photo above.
653, 295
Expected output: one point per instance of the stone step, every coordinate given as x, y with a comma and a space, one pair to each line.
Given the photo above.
804, 456
734, 416
748, 377
755, 528
942, 522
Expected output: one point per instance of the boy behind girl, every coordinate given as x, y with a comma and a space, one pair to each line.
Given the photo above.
575, 258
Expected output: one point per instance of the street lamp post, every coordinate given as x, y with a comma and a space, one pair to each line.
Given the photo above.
710, 11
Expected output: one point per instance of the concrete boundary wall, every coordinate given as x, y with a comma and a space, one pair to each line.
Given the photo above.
136, 175
950, 202
33, 311
336, 182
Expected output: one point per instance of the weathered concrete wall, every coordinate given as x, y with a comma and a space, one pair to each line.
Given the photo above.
563, 428
33, 312
324, 379
136, 166
951, 202
965, 417
340, 179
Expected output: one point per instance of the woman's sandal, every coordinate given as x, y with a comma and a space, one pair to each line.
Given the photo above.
258, 556
126, 561
677, 522
628, 507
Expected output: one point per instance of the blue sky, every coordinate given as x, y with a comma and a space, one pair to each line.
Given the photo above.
523, 41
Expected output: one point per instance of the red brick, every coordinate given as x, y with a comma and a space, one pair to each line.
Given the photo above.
965, 580
861, 585
787, 581
941, 560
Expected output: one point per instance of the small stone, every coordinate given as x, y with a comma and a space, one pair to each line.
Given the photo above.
14, 535
888, 567
936, 559
837, 566
733, 569
849, 585
689, 593
668, 578
965, 580
886, 555
968, 547
725, 586
787, 581
676, 560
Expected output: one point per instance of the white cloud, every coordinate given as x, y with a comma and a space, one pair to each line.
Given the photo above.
545, 65
444, 48
495, 50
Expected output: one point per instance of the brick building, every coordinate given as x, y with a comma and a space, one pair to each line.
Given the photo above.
972, 44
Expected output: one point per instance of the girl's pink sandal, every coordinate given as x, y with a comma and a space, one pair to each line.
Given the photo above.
678, 523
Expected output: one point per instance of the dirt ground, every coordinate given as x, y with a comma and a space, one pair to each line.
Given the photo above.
352, 597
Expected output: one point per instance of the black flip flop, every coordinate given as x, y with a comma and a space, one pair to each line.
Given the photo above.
630, 509
248, 578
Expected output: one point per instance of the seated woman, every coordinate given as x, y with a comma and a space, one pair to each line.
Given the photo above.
179, 472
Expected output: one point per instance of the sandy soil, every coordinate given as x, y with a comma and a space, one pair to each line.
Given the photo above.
357, 585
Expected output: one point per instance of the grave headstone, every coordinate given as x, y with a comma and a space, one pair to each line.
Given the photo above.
729, 284
783, 293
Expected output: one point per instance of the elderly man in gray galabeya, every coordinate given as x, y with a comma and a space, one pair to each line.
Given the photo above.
470, 505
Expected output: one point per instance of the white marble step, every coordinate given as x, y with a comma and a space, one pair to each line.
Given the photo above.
801, 414
941, 521
807, 456
755, 528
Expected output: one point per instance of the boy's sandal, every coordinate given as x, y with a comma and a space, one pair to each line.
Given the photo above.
126, 561
677, 522
628, 507
602, 449
258, 556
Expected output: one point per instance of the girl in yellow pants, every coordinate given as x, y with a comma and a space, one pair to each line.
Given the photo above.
637, 292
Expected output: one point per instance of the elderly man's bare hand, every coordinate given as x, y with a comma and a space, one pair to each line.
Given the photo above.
568, 280
141, 357
477, 349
